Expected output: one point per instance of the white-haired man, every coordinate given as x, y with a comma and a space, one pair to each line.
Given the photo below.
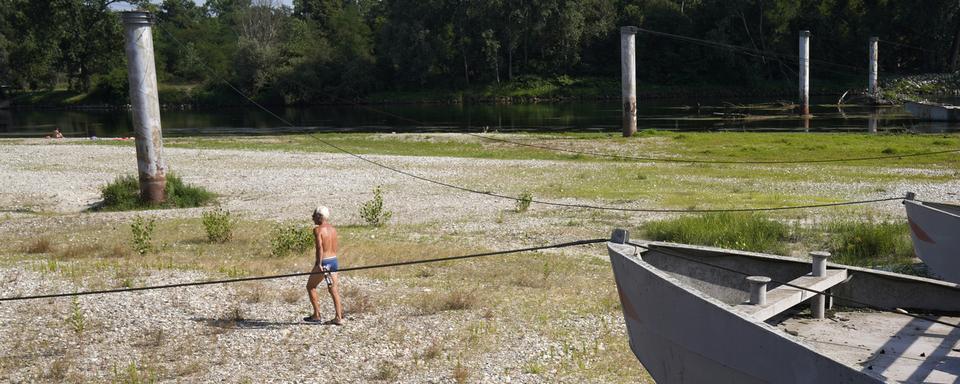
326, 261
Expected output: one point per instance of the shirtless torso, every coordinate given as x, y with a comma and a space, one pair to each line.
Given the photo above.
326, 240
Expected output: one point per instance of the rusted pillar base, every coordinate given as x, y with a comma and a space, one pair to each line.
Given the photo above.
152, 189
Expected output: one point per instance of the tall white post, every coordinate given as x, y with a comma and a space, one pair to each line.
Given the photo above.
805, 72
874, 56
142, 74
628, 76
818, 269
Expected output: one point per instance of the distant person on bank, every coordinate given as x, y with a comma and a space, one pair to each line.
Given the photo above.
326, 261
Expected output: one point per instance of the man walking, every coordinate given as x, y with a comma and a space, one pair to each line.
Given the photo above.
326, 262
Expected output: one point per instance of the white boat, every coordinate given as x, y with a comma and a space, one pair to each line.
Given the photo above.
935, 230
933, 111
688, 321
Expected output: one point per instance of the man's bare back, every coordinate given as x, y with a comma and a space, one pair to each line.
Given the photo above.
326, 240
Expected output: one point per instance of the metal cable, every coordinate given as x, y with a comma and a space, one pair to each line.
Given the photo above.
685, 256
272, 277
695, 161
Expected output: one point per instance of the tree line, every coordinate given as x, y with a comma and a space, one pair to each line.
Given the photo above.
327, 50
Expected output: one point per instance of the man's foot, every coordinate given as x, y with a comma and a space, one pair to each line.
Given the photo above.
311, 319
334, 322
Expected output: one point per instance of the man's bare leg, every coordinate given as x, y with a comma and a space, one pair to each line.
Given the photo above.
312, 283
335, 294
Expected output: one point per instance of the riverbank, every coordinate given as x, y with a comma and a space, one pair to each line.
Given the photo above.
523, 90
551, 316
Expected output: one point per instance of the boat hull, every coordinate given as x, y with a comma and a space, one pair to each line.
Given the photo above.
935, 230
682, 335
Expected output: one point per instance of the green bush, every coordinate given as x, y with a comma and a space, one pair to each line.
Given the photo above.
523, 203
870, 243
373, 211
123, 194
290, 238
740, 231
142, 231
219, 225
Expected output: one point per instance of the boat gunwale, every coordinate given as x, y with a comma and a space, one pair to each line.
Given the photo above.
924, 204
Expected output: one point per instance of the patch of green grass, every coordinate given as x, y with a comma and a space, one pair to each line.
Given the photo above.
869, 243
749, 232
123, 194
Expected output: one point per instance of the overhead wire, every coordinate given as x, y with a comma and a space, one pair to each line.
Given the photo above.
685, 256
299, 274
515, 198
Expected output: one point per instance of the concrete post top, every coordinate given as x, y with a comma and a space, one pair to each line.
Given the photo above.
819, 254
910, 196
137, 18
758, 279
628, 30
804, 33
874, 39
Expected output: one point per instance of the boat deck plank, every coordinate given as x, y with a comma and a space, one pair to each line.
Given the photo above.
783, 297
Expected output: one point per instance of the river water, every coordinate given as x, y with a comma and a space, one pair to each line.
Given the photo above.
681, 115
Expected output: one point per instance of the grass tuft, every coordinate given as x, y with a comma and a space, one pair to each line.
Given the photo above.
870, 244
41, 245
387, 371
123, 194
749, 232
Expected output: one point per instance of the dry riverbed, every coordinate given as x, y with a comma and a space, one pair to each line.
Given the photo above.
545, 317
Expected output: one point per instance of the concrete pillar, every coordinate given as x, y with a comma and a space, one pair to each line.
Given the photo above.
628, 76
758, 289
872, 81
818, 303
142, 74
805, 72
620, 236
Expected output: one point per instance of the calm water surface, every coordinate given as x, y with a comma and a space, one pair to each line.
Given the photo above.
682, 115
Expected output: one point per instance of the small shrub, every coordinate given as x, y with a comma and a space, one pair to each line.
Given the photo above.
373, 212
290, 238
433, 351
123, 194
889, 151
870, 244
523, 203
39, 246
747, 232
458, 300
219, 225
142, 231
77, 320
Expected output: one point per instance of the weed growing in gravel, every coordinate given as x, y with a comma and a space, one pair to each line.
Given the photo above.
79, 250
290, 238
123, 194
219, 225
451, 301
748, 232
134, 374
41, 245
387, 371
142, 231
291, 296
77, 321
357, 301
373, 212
433, 351
870, 244
524, 201
460, 373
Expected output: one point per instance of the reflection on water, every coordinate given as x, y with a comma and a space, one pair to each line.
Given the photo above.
681, 115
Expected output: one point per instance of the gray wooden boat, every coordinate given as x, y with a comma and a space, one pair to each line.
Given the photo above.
935, 230
933, 111
689, 322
